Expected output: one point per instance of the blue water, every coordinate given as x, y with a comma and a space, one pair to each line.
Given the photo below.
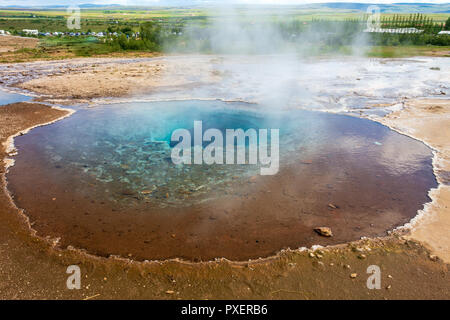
8, 97
127, 146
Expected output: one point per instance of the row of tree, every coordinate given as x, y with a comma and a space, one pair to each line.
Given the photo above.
155, 36
150, 38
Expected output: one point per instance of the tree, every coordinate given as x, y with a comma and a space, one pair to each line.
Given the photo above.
151, 32
447, 24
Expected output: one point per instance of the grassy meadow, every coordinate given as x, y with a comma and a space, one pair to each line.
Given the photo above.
160, 25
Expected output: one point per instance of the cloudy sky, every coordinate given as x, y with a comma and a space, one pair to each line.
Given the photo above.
168, 2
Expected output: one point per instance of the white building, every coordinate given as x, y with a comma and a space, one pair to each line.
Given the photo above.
398, 30
30, 31
444, 32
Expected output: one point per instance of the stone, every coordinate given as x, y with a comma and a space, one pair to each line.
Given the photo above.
324, 231
433, 257
332, 206
353, 275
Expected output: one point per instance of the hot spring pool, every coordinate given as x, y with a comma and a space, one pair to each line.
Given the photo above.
9, 97
103, 180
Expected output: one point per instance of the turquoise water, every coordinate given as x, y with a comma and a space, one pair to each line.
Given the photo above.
127, 146
8, 97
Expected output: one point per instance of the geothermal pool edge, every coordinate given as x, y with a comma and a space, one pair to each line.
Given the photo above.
415, 221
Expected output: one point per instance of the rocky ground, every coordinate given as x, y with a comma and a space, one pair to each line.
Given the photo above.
84, 79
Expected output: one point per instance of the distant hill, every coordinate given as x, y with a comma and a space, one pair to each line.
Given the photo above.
349, 6
392, 8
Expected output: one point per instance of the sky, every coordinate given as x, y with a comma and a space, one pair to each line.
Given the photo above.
187, 2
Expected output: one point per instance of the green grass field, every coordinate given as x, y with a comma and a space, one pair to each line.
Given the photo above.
116, 19
99, 20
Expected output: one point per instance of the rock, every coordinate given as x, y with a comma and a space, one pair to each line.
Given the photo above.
433, 257
324, 231
170, 292
311, 255
332, 206
353, 275
362, 256
146, 191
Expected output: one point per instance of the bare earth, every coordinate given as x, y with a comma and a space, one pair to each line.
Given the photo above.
106, 78
12, 43
31, 268
429, 121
